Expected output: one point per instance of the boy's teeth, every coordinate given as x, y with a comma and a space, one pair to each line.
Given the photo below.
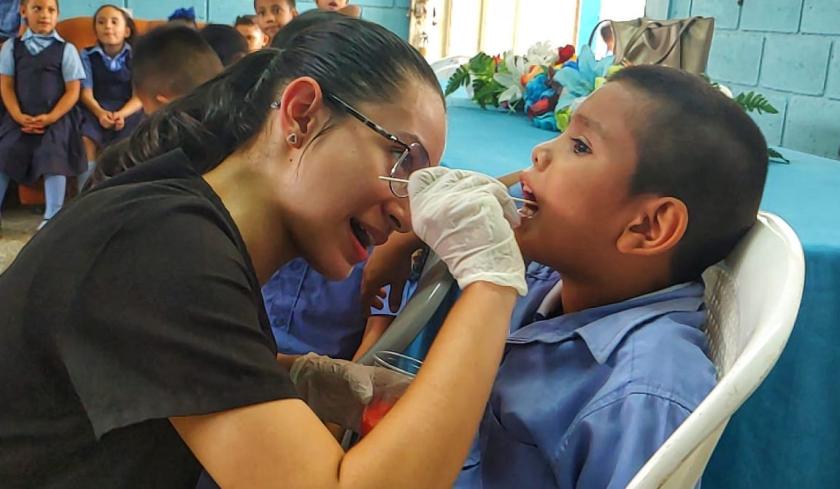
526, 212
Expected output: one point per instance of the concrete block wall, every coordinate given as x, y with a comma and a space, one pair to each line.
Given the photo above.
393, 14
788, 50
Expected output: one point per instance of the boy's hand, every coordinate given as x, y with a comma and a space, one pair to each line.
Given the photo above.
119, 121
389, 264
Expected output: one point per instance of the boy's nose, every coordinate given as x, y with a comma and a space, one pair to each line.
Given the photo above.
540, 158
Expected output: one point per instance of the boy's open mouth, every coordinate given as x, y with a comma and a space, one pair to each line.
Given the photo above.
528, 210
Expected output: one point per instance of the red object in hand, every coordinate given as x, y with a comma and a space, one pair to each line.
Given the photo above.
565, 53
374, 412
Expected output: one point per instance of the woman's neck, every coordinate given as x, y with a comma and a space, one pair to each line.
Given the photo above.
253, 208
112, 49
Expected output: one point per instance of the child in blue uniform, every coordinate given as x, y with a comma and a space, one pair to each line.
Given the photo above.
40, 75
111, 111
658, 176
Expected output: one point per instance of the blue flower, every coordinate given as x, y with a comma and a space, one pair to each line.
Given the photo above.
578, 79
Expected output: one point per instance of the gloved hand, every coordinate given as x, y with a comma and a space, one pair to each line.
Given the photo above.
338, 390
466, 218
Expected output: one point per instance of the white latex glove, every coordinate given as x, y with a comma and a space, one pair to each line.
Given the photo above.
338, 390
467, 218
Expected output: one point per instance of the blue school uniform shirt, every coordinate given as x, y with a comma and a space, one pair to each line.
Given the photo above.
582, 400
71, 64
9, 18
115, 63
309, 313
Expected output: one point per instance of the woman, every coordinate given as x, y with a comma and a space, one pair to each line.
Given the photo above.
133, 341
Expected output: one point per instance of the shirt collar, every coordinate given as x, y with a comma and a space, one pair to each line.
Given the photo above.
603, 328
99, 49
52, 35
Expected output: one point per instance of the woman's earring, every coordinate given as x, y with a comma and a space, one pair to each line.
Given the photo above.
292, 138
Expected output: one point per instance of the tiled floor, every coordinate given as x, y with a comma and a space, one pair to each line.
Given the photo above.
18, 226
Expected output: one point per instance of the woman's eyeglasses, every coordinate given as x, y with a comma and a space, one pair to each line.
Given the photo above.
413, 157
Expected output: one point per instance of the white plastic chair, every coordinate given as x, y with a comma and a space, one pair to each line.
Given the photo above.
753, 298
444, 68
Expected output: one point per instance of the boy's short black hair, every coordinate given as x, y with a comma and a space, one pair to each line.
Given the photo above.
248, 20
173, 59
226, 41
697, 145
290, 3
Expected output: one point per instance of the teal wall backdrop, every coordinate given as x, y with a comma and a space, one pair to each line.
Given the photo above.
393, 14
789, 50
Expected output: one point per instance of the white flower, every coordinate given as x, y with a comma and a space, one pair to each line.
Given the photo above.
515, 66
726, 91
542, 53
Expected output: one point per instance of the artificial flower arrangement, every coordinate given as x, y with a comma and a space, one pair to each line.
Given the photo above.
548, 84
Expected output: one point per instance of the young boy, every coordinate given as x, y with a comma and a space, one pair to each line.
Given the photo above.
658, 176
169, 62
228, 44
272, 15
247, 26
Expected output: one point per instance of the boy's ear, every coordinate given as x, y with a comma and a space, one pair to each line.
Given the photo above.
163, 99
656, 229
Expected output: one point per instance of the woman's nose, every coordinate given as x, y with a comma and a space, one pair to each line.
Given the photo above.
399, 215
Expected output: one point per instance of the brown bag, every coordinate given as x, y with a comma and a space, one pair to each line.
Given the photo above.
678, 43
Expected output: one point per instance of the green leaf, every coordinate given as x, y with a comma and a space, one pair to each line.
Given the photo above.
775, 155
482, 65
487, 92
755, 102
461, 77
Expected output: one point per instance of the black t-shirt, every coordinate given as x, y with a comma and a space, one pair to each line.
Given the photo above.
137, 303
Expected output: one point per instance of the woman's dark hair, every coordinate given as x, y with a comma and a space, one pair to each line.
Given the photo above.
699, 146
354, 59
226, 41
129, 22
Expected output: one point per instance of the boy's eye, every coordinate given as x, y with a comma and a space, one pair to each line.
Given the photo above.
580, 147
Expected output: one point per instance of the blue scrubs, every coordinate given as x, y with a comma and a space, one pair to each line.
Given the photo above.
582, 400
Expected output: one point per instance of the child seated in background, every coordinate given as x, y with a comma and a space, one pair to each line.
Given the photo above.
40, 77
250, 30
657, 178
111, 111
340, 6
272, 15
228, 44
168, 63
9, 19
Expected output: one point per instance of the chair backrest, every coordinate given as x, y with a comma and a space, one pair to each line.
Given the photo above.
753, 298
444, 68
79, 30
